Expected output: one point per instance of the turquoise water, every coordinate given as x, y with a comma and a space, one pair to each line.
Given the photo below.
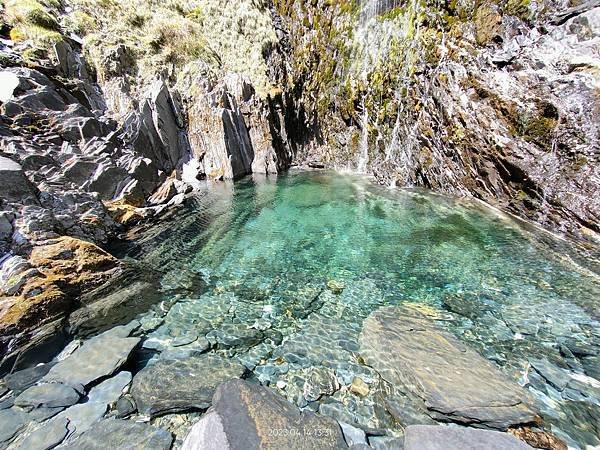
281, 272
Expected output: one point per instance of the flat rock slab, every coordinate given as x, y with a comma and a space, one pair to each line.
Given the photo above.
46, 437
110, 390
248, 416
99, 357
454, 382
21, 380
434, 437
82, 416
121, 434
48, 395
181, 384
11, 422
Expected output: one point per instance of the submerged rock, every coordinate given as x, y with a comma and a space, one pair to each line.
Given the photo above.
101, 356
453, 381
248, 416
121, 434
434, 437
171, 385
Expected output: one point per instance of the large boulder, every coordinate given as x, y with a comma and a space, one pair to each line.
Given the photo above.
171, 385
453, 381
249, 416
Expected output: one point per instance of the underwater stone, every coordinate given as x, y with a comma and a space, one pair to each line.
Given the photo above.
435, 437
455, 382
179, 385
555, 376
121, 434
101, 356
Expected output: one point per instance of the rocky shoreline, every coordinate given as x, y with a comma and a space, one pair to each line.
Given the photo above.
496, 100
85, 398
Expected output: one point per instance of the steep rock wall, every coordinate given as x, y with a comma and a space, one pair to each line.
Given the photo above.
495, 99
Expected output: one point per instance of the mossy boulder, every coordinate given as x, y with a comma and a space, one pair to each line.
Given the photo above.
66, 268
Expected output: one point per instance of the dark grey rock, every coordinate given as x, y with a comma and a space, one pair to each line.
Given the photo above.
101, 356
121, 434
178, 385
453, 382
125, 407
48, 395
246, 415
552, 374
583, 392
591, 366
7, 402
46, 437
14, 185
21, 380
433, 437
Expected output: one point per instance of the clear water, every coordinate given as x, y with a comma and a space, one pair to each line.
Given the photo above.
248, 266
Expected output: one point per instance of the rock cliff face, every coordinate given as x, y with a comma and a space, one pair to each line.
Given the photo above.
111, 113
497, 99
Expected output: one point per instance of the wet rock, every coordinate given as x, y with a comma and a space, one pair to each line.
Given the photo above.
246, 415
319, 382
116, 433
46, 437
434, 437
48, 395
232, 335
179, 385
101, 356
583, 391
11, 422
359, 387
556, 377
453, 381
7, 402
109, 391
386, 443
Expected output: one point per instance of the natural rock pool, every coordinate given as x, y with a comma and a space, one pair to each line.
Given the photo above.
274, 279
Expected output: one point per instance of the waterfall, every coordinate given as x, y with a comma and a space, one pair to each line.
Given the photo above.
372, 8
363, 158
